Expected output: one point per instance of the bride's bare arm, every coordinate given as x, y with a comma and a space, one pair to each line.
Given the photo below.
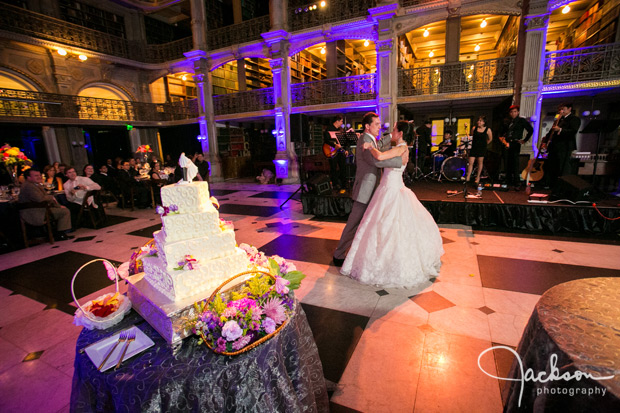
381, 156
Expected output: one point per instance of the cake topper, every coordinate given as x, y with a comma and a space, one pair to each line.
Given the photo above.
189, 169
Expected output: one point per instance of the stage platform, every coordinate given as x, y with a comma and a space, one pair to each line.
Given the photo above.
509, 210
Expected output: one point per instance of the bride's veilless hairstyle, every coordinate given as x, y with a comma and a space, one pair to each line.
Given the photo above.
404, 127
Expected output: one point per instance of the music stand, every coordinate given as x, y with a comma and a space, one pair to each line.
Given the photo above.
600, 126
302, 174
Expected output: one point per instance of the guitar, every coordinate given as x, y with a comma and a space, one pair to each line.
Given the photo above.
330, 151
544, 147
504, 141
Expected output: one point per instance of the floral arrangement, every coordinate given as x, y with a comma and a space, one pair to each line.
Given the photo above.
144, 149
187, 263
12, 156
237, 320
226, 225
163, 211
135, 262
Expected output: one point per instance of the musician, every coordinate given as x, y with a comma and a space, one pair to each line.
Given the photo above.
447, 147
560, 142
425, 141
337, 163
512, 137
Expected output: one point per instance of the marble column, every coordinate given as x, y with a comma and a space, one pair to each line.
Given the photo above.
278, 10
51, 144
199, 24
331, 59
533, 70
241, 79
386, 80
453, 39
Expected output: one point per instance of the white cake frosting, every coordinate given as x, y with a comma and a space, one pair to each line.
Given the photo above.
194, 230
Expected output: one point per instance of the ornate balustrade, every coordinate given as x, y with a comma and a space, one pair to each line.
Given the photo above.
21, 21
457, 77
343, 89
241, 102
300, 17
27, 104
243, 32
409, 3
586, 63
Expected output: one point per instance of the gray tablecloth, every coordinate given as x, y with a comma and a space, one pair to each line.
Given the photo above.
283, 374
579, 323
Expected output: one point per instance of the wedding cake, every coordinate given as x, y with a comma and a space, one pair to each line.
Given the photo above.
195, 251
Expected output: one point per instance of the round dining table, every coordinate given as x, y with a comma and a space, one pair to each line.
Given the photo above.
283, 374
568, 358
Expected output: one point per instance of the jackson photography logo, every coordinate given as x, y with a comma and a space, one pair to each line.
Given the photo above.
547, 377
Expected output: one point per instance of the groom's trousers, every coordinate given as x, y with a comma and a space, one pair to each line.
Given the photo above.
348, 233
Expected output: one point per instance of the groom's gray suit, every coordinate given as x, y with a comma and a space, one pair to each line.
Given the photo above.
367, 176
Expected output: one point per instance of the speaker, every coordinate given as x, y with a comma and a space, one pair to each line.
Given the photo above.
319, 184
300, 128
573, 188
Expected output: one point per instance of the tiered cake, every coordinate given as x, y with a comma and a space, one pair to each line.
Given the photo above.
195, 252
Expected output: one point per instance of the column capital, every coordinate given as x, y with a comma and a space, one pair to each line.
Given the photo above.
536, 22
275, 36
384, 46
384, 11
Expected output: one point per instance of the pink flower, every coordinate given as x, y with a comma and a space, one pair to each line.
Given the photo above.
281, 285
242, 342
269, 325
231, 331
273, 309
257, 312
230, 312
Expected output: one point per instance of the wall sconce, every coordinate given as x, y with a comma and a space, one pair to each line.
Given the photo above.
431, 54
477, 48
76, 144
447, 120
63, 52
366, 43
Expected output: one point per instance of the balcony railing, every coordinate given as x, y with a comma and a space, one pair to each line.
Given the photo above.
586, 63
21, 21
457, 77
409, 3
241, 102
301, 17
343, 89
27, 104
243, 32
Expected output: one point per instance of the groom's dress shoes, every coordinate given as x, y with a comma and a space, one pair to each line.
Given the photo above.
338, 262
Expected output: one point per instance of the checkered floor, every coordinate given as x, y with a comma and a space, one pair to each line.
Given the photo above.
381, 349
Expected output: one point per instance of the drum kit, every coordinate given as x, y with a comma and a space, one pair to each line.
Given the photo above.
451, 168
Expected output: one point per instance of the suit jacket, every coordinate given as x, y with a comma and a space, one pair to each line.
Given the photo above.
30, 192
567, 138
367, 172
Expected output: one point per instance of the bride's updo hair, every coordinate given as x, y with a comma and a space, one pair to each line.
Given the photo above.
404, 127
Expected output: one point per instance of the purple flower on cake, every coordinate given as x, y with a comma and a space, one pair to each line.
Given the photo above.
269, 325
174, 208
242, 342
188, 263
273, 309
165, 210
231, 331
281, 285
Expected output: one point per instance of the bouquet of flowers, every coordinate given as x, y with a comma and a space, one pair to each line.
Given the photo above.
144, 149
233, 322
12, 156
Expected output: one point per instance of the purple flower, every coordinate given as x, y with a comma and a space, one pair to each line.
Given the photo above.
242, 342
174, 208
257, 313
281, 285
220, 345
269, 325
160, 210
231, 331
273, 309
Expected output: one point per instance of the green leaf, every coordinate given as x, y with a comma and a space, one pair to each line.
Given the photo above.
274, 268
294, 277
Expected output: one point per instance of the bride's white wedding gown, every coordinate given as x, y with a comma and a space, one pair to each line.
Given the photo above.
397, 244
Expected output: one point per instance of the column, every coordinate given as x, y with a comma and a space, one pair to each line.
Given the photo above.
134, 139
285, 162
79, 155
206, 118
199, 24
241, 75
387, 76
453, 39
278, 14
520, 58
237, 11
331, 59
531, 96
51, 144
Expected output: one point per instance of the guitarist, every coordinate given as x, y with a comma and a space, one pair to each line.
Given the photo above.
560, 142
337, 163
512, 137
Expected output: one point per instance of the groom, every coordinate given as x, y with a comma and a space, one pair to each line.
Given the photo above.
366, 179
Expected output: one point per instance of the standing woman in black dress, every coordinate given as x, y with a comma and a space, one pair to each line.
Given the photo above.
482, 136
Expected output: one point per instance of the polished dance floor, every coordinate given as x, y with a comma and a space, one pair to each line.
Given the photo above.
382, 350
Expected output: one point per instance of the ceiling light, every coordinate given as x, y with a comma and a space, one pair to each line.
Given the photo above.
322, 50
62, 52
566, 9
323, 3
477, 48
82, 57
426, 33
484, 23
431, 54
366, 43
183, 77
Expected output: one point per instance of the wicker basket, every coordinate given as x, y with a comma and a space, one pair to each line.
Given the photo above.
86, 318
257, 342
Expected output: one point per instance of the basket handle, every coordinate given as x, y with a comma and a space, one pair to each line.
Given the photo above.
86, 313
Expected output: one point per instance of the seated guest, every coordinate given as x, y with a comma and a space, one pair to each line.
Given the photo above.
170, 162
203, 166
158, 179
133, 168
111, 170
126, 182
32, 191
106, 182
61, 172
76, 188
50, 178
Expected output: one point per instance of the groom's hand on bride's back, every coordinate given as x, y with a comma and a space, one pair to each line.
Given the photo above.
405, 157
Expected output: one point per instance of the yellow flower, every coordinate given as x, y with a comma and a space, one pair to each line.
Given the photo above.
13, 151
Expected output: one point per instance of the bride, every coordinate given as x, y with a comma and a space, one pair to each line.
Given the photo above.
397, 243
